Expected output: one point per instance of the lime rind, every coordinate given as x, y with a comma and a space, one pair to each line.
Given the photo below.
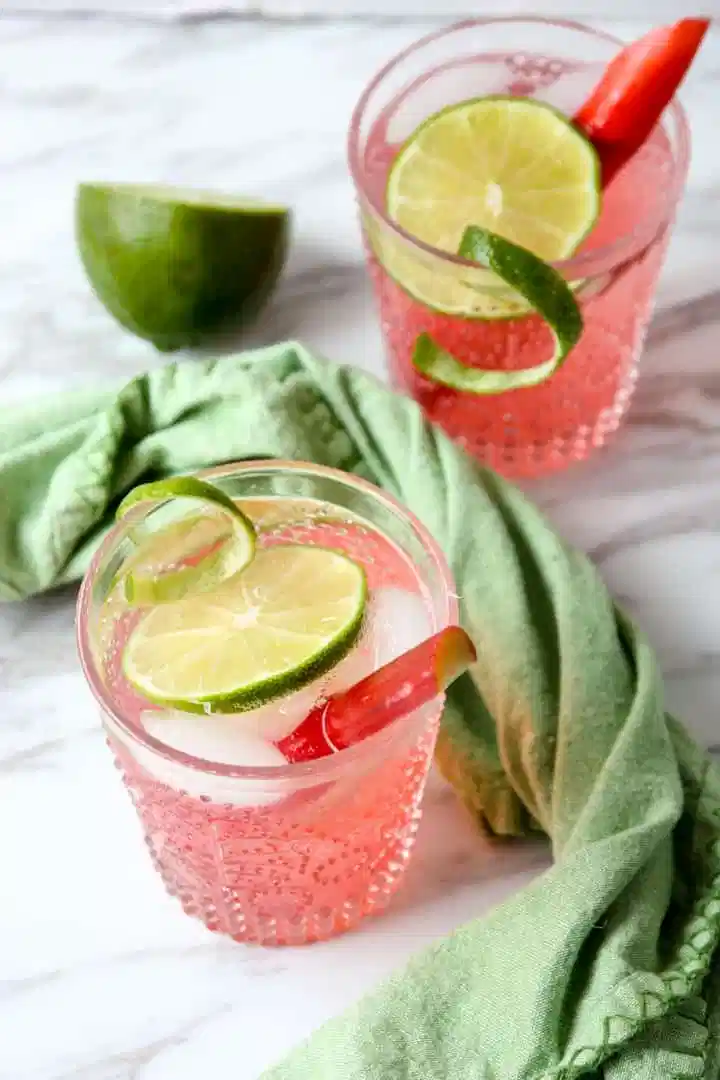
228, 604
218, 557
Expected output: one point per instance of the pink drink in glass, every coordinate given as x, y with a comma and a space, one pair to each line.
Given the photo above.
535, 430
280, 853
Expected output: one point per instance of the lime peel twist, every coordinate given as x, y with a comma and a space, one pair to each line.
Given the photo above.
544, 289
151, 586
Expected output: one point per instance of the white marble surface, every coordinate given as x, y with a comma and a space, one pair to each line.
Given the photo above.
101, 976
656, 10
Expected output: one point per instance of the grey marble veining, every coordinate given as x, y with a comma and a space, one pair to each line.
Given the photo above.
101, 976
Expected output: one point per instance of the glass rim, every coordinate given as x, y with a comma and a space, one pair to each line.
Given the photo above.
589, 264
319, 769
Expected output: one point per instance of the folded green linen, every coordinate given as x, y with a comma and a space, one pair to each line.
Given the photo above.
606, 965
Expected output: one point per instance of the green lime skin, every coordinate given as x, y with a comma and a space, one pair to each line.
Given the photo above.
177, 267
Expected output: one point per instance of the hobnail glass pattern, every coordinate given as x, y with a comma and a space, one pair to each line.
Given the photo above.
295, 871
543, 428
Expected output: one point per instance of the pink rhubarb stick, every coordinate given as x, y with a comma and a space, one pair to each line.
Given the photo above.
398, 688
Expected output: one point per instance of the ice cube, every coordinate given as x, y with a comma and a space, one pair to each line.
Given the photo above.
398, 620
220, 739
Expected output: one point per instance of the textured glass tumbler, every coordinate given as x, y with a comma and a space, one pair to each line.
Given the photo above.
288, 854
539, 429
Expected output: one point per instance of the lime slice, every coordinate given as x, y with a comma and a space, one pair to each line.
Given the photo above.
513, 166
195, 553
545, 291
291, 615
174, 266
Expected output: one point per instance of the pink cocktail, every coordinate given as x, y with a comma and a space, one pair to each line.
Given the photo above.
521, 432
279, 853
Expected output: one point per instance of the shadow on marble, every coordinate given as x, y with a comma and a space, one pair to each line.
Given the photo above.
314, 298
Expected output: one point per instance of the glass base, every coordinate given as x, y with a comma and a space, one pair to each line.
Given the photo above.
296, 871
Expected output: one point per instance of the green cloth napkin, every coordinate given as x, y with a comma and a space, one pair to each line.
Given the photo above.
606, 965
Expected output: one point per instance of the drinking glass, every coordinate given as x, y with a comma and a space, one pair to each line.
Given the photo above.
523, 432
292, 853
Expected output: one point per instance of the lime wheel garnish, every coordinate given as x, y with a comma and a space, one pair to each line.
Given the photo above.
512, 166
291, 614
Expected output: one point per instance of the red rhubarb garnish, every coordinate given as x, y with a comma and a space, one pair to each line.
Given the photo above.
637, 85
398, 688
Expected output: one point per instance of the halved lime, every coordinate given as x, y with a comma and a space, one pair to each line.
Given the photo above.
195, 553
513, 166
292, 614
175, 265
